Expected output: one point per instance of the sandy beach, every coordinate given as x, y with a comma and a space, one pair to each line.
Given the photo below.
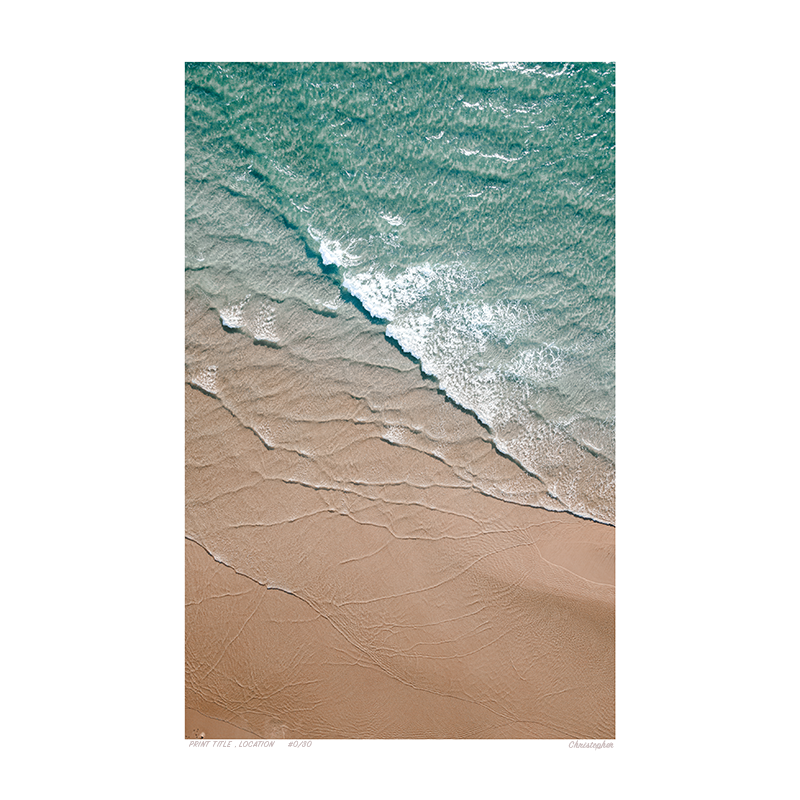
346, 583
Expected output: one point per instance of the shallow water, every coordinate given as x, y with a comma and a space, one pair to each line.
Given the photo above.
431, 246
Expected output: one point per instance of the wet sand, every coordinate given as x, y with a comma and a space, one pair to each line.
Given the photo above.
342, 583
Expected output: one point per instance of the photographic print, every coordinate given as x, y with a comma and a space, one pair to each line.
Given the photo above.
399, 394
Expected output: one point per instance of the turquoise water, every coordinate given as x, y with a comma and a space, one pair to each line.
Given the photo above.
467, 209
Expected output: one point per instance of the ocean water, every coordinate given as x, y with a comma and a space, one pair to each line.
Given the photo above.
413, 228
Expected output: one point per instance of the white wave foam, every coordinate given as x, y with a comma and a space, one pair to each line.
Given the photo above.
261, 322
265, 434
205, 378
545, 364
330, 255
413, 335
382, 296
332, 251
233, 316
395, 435
254, 317
499, 156
516, 66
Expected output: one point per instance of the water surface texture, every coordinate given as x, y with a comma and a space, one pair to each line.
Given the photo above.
376, 220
